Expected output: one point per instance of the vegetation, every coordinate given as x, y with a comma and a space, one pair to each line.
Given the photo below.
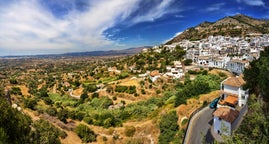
18, 128
104, 99
168, 127
85, 133
202, 84
129, 131
257, 75
255, 126
15, 127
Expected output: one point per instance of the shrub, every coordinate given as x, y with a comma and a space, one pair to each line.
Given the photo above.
15, 91
85, 133
90, 88
187, 62
30, 103
221, 74
95, 95
51, 111
129, 131
168, 127
62, 115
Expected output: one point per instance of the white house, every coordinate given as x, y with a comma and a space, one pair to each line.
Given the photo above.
154, 75
231, 105
237, 66
203, 60
224, 118
219, 62
233, 87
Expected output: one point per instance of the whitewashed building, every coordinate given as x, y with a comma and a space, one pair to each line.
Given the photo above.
231, 106
224, 119
237, 66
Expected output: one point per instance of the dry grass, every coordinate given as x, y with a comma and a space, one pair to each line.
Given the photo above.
217, 71
185, 110
78, 91
133, 82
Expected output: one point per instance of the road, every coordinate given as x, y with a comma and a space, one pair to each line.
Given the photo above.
199, 127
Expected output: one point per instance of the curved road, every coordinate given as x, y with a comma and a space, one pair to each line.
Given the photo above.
199, 128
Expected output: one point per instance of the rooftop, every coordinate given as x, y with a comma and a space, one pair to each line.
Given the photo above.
154, 73
226, 114
235, 81
229, 100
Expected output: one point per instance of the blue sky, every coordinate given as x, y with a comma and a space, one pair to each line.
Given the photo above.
59, 26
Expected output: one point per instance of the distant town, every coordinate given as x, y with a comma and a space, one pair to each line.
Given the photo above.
224, 52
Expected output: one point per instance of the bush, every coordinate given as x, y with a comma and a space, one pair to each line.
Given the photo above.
109, 89
30, 103
168, 127
120, 88
85, 133
48, 101
46, 133
129, 131
62, 115
95, 95
16, 91
187, 62
90, 88
221, 74
51, 111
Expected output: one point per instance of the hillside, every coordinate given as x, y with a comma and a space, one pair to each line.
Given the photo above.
238, 25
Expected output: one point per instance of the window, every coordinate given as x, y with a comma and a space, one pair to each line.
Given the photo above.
243, 97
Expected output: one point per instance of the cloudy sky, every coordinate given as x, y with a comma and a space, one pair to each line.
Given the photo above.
59, 26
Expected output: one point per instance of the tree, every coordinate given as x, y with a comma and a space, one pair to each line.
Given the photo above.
30, 103
62, 115
45, 133
15, 126
85, 133
187, 62
254, 127
256, 77
168, 127
83, 96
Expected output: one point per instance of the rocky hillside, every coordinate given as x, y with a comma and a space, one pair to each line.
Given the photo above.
238, 25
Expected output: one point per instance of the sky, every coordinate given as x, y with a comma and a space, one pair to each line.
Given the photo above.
29, 27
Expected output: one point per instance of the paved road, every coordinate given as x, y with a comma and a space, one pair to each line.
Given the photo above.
200, 127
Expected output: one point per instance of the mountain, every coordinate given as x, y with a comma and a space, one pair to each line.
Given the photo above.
238, 25
129, 51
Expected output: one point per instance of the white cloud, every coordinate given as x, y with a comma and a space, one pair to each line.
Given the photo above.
156, 12
29, 27
252, 2
215, 7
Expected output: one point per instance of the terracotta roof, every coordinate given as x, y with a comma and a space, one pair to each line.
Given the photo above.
226, 114
235, 81
229, 100
154, 73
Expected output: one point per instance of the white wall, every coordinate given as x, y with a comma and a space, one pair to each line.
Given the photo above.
222, 126
241, 100
230, 89
216, 124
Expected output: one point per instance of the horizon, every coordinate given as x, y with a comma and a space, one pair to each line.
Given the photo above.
47, 27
